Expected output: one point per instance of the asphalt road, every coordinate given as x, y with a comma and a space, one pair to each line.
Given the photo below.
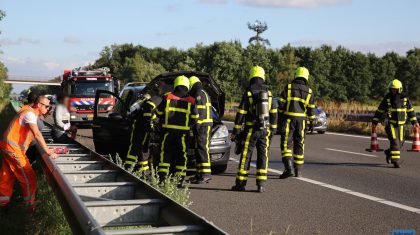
344, 190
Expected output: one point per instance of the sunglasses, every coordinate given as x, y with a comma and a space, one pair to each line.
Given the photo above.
46, 106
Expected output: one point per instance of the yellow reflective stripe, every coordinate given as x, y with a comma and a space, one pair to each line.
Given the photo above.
195, 116
237, 126
395, 157
145, 138
282, 100
147, 114
289, 94
286, 150
204, 164
264, 171
129, 162
180, 167
151, 103
159, 112
208, 163
380, 111
410, 110
311, 117
162, 147
184, 149
144, 163
241, 111
298, 156
312, 106
165, 170
241, 177
394, 136
243, 172
267, 146
299, 162
395, 152
303, 137
184, 128
205, 121
395, 122
132, 157
398, 110
273, 111
204, 170
201, 106
245, 152
308, 99
413, 119
261, 177
249, 123
295, 114
178, 110
401, 133
273, 126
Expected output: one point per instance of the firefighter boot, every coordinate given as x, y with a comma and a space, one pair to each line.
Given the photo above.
388, 156
287, 168
239, 188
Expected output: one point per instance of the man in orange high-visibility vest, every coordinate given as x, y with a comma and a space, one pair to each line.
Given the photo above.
13, 145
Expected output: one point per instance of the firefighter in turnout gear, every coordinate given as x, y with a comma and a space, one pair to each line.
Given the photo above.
259, 114
177, 114
397, 108
202, 131
140, 136
296, 107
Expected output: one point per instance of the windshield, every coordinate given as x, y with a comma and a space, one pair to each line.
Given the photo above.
89, 88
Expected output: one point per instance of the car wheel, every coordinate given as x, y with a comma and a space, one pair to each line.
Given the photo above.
321, 132
219, 169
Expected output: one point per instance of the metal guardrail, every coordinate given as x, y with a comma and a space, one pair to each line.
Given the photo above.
99, 197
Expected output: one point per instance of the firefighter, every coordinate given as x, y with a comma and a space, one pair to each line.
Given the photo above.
397, 108
15, 164
201, 132
296, 107
259, 114
140, 135
177, 114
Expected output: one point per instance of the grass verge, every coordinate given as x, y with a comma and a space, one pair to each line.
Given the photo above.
48, 218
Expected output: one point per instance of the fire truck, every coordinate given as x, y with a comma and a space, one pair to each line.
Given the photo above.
81, 85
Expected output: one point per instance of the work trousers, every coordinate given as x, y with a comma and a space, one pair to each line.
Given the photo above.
15, 165
138, 149
293, 141
202, 152
173, 154
254, 138
396, 137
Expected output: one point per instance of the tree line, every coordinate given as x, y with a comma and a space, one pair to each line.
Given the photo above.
336, 73
5, 89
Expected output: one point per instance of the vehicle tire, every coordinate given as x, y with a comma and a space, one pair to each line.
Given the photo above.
219, 169
321, 132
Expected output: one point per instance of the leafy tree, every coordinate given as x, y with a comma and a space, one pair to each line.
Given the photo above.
5, 89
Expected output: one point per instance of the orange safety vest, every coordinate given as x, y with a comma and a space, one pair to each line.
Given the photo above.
17, 136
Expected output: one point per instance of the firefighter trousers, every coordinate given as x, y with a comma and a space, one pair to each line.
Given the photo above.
202, 152
137, 151
254, 138
173, 154
293, 141
16, 166
396, 137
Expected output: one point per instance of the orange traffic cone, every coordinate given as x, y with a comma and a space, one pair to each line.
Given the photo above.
374, 144
416, 141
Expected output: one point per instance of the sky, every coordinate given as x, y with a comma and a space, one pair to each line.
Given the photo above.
41, 38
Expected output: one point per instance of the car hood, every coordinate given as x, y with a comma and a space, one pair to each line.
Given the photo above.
165, 83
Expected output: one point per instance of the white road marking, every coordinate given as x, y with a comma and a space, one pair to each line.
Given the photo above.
347, 191
359, 136
229, 122
343, 151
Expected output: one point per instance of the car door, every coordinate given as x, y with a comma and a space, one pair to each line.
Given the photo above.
112, 129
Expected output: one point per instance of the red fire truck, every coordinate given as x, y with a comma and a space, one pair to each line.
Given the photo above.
81, 85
